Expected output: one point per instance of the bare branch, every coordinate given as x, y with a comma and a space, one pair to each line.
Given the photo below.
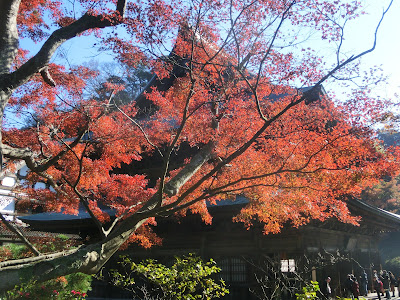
85, 203
133, 121
10, 264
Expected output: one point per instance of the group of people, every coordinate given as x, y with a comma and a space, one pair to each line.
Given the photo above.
354, 288
385, 283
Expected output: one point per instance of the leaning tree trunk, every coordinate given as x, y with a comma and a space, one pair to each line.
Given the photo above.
90, 259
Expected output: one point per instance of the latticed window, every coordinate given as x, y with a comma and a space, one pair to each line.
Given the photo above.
233, 269
288, 265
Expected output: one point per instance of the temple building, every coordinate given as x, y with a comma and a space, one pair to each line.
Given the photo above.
317, 250
241, 252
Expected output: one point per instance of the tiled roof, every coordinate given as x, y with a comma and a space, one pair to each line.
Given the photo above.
51, 216
389, 216
5, 233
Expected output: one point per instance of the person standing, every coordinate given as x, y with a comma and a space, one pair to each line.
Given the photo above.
355, 287
363, 283
386, 283
348, 285
393, 283
398, 285
377, 286
326, 288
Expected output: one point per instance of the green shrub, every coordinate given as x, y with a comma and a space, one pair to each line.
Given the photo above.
188, 278
309, 292
74, 286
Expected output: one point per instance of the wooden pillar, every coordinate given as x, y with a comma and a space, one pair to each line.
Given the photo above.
313, 274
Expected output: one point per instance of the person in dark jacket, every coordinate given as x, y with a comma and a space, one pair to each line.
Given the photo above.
386, 283
348, 286
363, 283
326, 288
355, 288
393, 283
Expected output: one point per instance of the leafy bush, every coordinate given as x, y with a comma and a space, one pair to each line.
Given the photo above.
188, 278
74, 286
309, 291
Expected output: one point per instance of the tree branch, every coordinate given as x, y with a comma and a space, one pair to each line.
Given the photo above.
20, 235
29, 156
173, 186
91, 258
57, 38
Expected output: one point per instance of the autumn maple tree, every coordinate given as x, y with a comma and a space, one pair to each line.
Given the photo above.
233, 86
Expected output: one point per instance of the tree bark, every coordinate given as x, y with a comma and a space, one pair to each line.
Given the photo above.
8, 49
91, 259
8, 33
87, 260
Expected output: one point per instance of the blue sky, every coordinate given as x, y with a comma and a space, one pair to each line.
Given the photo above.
358, 37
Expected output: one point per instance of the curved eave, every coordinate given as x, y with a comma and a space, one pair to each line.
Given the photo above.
385, 219
61, 222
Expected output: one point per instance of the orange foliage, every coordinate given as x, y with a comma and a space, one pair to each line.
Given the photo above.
293, 158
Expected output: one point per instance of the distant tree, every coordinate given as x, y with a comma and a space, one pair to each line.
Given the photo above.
386, 193
120, 84
393, 265
235, 85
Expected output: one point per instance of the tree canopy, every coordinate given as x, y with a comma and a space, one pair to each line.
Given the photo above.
236, 107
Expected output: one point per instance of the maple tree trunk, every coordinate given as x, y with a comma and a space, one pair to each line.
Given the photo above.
8, 51
91, 259
8, 33
87, 260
